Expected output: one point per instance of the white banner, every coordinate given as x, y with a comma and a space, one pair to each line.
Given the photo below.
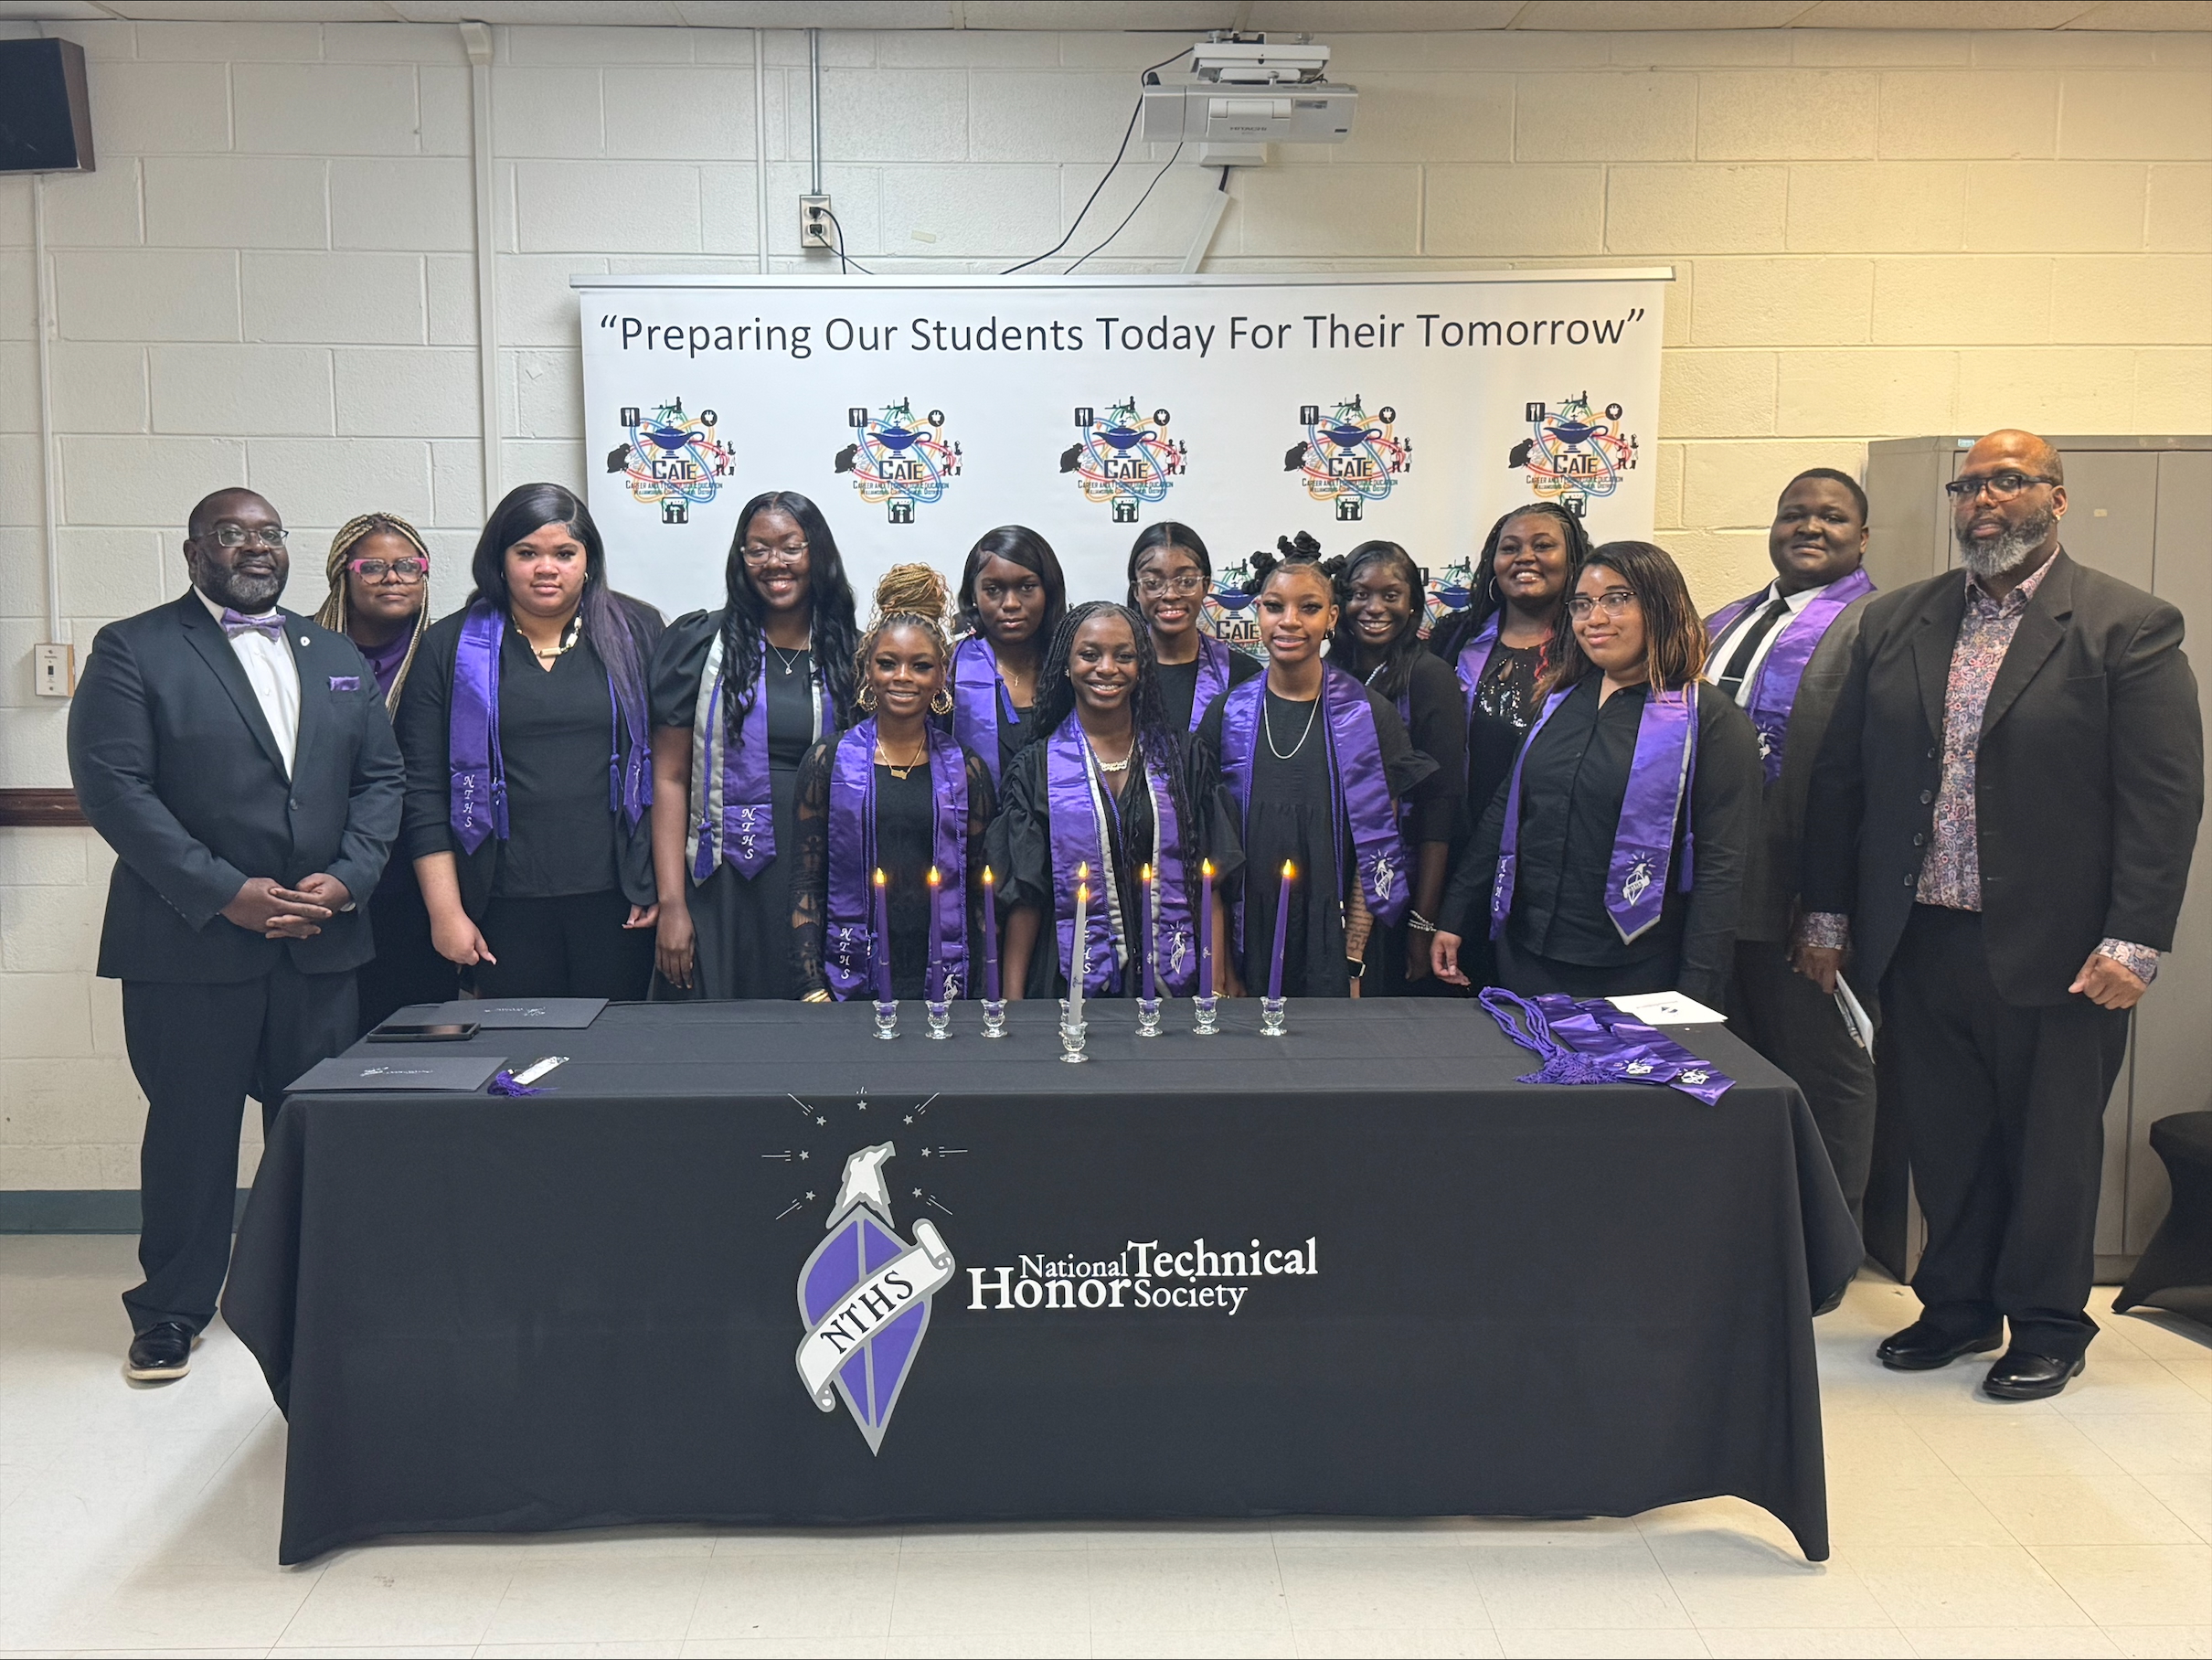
919, 413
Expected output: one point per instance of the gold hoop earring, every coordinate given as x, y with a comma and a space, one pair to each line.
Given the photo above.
943, 703
867, 698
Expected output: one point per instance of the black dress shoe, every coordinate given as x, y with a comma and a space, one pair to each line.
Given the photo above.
2022, 1375
1922, 1347
161, 1352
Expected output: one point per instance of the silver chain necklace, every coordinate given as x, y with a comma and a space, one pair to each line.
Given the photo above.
1112, 766
789, 659
1268, 725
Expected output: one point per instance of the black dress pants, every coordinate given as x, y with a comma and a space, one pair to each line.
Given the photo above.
1797, 1026
1527, 975
197, 1051
407, 967
2003, 1108
574, 946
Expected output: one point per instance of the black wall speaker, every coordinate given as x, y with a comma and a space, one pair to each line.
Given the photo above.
45, 123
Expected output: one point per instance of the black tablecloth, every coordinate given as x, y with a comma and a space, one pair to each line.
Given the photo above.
581, 1308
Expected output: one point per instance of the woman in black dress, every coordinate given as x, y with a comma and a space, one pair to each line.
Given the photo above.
1613, 861
1100, 797
895, 794
524, 724
1169, 573
1379, 638
1315, 765
1012, 598
380, 573
740, 695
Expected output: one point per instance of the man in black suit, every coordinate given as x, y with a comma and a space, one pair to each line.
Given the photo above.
1781, 654
1999, 826
239, 760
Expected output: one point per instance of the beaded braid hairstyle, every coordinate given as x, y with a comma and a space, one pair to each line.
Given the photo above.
908, 596
1155, 733
335, 614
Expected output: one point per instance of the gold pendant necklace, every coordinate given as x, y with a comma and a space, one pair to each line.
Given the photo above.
920, 755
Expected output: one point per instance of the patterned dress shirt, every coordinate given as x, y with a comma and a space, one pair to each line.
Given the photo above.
1952, 875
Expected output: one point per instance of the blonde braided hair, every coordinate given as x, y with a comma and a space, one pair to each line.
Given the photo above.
333, 615
912, 595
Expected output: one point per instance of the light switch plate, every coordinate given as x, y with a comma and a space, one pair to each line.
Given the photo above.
53, 669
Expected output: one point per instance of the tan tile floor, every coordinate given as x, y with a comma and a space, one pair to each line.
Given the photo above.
144, 1521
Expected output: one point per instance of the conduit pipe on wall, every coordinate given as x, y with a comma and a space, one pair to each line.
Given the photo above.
477, 38
760, 148
50, 467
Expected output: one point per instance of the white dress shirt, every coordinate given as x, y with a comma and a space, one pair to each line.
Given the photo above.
274, 676
1724, 649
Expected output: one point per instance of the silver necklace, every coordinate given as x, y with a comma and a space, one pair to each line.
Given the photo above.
789, 659
1112, 766
1268, 725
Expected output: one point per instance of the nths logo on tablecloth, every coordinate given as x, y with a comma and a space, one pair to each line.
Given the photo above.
864, 1297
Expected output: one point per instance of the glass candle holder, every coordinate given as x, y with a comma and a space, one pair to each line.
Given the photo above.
1148, 1016
1206, 1009
887, 1021
940, 1021
1272, 1011
994, 1017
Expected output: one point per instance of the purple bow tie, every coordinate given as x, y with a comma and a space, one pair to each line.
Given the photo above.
235, 623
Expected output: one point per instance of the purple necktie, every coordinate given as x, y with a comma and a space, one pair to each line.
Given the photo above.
236, 622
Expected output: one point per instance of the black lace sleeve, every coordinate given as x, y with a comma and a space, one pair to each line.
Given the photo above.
810, 880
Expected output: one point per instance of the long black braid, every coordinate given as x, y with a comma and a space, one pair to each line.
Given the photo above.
1155, 733
835, 631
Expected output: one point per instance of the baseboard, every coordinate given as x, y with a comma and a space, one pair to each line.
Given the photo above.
78, 1210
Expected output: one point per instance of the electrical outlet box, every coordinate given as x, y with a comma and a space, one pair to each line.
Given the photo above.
54, 670
815, 225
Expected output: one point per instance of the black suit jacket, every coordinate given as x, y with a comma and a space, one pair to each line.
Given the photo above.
1769, 876
176, 768
2088, 785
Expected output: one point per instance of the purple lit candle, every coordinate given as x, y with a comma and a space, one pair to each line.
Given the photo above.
1282, 933
936, 933
1205, 928
1146, 919
881, 952
990, 937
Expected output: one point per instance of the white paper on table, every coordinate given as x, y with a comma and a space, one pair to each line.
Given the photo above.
1667, 1008
1855, 1020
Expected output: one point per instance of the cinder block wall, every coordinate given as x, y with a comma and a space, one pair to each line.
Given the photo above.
271, 281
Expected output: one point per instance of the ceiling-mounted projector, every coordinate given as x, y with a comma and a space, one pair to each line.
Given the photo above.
1244, 91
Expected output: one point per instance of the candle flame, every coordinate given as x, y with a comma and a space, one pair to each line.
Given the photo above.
1205, 867
987, 876
1082, 893
934, 878
1287, 872
1082, 872
879, 876
1145, 875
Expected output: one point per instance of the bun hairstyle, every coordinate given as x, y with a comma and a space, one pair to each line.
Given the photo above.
908, 596
1295, 552
334, 613
1674, 635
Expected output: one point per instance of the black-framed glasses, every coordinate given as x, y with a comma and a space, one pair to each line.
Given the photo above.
227, 535
1184, 585
2001, 486
1613, 603
376, 571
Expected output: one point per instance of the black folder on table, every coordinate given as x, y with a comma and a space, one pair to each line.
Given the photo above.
399, 1071
551, 1014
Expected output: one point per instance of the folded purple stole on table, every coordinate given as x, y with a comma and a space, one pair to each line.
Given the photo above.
1590, 1041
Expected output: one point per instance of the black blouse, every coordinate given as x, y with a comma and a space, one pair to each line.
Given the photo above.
1506, 705
1572, 784
906, 822
1438, 729
681, 662
1179, 685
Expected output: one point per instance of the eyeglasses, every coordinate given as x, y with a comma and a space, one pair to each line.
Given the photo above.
2001, 486
759, 553
1613, 603
1184, 584
375, 570
237, 536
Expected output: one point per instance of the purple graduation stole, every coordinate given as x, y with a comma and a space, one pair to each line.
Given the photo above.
1590, 1041
733, 806
1356, 759
850, 940
1643, 842
476, 773
1213, 679
1774, 691
1474, 657
1077, 803
979, 700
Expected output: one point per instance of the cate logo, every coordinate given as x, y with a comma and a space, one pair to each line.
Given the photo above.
1230, 615
864, 1298
671, 461
1571, 456
1124, 460
1349, 458
898, 461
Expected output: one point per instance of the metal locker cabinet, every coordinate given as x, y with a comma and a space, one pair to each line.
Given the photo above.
2140, 507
